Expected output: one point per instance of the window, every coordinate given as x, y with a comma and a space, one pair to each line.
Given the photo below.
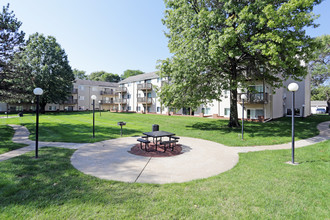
128, 96
149, 109
129, 108
81, 97
81, 87
139, 108
227, 111
149, 95
19, 108
208, 110
158, 109
50, 108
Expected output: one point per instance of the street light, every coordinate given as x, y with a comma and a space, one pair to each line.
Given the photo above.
243, 97
293, 87
93, 97
38, 92
100, 102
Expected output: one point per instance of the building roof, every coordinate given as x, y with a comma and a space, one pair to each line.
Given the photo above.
140, 77
95, 83
319, 103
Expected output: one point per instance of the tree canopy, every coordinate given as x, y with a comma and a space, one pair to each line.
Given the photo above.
104, 76
128, 73
79, 74
229, 44
320, 65
48, 66
12, 81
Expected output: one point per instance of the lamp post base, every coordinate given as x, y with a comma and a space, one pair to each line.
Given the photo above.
290, 162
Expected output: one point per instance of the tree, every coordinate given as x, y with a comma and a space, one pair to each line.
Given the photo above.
128, 73
218, 44
79, 74
49, 68
12, 79
320, 66
104, 76
321, 93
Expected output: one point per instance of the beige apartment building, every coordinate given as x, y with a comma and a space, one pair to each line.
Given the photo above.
138, 94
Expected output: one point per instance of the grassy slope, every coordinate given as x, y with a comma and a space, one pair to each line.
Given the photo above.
260, 186
77, 127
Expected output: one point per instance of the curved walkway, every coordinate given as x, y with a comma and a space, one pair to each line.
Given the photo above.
110, 159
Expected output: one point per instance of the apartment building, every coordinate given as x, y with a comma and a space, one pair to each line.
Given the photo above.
138, 94
262, 104
78, 100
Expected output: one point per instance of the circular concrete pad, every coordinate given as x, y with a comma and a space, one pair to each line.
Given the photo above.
110, 160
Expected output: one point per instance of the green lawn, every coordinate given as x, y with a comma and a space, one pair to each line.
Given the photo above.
6, 134
77, 127
261, 186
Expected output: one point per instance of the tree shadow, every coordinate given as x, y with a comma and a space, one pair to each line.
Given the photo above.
304, 127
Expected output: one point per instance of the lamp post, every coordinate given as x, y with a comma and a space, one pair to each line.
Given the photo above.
38, 92
100, 102
293, 87
243, 97
93, 97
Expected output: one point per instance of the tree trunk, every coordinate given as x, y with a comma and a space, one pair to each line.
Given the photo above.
233, 120
42, 107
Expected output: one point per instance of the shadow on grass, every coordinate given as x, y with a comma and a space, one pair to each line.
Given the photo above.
77, 133
52, 180
304, 127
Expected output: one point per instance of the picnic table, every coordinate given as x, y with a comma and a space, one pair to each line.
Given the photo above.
158, 134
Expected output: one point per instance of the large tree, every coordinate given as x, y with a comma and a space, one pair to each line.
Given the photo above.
128, 73
79, 74
320, 65
226, 44
12, 79
49, 69
104, 76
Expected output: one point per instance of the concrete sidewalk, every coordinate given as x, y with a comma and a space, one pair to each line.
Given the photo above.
111, 160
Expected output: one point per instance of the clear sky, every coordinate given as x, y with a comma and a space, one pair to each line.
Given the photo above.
111, 35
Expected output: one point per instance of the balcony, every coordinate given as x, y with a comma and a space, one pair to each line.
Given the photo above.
144, 100
121, 101
74, 91
70, 102
107, 92
254, 98
144, 86
121, 89
105, 102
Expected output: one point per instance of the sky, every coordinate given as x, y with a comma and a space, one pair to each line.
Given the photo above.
111, 35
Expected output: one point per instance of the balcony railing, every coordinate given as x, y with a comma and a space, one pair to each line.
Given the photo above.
254, 98
121, 89
74, 91
144, 86
107, 92
104, 102
144, 100
120, 101
71, 102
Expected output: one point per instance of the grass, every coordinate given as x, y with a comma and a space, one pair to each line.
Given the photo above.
261, 186
77, 127
6, 134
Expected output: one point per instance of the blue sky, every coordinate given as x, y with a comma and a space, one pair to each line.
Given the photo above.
111, 35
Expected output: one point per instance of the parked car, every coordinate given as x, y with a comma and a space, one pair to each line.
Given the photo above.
320, 111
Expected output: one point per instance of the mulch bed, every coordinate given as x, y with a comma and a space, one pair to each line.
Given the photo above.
136, 150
